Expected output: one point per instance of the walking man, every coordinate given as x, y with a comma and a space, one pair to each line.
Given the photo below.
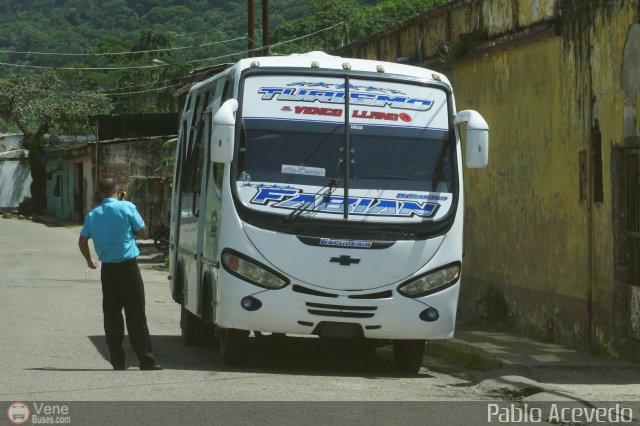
113, 226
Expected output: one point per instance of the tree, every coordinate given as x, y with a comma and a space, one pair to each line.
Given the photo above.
36, 105
339, 14
351, 20
168, 163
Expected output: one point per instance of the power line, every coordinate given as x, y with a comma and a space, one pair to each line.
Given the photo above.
136, 85
156, 66
108, 92
157, 89
124, 53
269, 46
2, 83
78, 68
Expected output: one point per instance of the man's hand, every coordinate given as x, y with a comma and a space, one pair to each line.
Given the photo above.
83, 244
139, 234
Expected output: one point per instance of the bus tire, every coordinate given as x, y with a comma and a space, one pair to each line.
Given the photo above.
178, 289
407, 355
206, 298
191, 328
232, 345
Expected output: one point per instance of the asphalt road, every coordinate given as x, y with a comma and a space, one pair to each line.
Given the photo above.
53, 344
52, 349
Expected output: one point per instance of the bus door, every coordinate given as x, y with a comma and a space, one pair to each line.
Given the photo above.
210, 200
188, 185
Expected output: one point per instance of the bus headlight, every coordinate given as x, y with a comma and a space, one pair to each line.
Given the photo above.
431, 282
251, 270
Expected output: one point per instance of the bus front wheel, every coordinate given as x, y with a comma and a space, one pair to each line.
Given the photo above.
407, 355
232, 345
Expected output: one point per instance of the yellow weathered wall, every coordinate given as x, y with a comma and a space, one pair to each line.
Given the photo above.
497, 15
427, 36
550, 255
525, 224
530, 11
538, 258
594, 39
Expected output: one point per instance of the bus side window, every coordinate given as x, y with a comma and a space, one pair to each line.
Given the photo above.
218, 174
197, 155
181, 152
188, 164
201, 122
223, 92
227, 93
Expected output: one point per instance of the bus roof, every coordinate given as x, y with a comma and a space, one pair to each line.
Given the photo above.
325, 61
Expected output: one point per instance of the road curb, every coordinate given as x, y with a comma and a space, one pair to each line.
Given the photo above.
513, 380
475, 358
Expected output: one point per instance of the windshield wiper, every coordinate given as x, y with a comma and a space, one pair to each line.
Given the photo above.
329, 187
302, 208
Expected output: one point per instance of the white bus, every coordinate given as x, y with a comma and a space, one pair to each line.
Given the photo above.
262, 239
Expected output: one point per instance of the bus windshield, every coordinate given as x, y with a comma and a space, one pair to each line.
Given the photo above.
294, 134
386, 158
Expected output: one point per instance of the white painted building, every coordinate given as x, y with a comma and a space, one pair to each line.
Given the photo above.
15, 177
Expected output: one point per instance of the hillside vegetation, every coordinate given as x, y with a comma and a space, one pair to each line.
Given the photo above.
33, 29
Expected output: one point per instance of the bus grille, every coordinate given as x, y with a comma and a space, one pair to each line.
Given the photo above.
304, 290
341, 311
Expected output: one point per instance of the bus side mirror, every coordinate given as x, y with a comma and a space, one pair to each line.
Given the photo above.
477, 152
223, 125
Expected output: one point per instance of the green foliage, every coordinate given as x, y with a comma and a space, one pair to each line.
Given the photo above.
455, 51
462, 357
113, 26
352, 20
78, 25
36, 104
120, 26
602, 345
167, 163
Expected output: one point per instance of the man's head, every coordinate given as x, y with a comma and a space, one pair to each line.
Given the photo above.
108, 188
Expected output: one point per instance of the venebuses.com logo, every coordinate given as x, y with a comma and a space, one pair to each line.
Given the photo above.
18, 413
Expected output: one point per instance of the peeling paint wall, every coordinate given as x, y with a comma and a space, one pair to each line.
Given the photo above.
498, 16
560, 89
530, 11
525, 223
594, 37
630, 82
428, 36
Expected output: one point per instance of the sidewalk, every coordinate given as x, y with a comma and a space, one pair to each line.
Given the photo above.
515, 350
535, 371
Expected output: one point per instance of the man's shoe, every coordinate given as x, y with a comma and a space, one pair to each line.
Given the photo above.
119, 367
151, 367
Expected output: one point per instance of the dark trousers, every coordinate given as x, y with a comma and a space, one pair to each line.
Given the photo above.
122, 287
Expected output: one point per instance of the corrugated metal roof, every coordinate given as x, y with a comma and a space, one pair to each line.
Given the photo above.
14, 154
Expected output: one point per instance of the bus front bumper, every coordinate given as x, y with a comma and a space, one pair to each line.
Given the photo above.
384, 314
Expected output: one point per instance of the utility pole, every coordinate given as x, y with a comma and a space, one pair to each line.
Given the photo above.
250, 29
251, 23
265, 27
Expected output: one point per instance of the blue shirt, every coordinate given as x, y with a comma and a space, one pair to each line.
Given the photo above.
111, 226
